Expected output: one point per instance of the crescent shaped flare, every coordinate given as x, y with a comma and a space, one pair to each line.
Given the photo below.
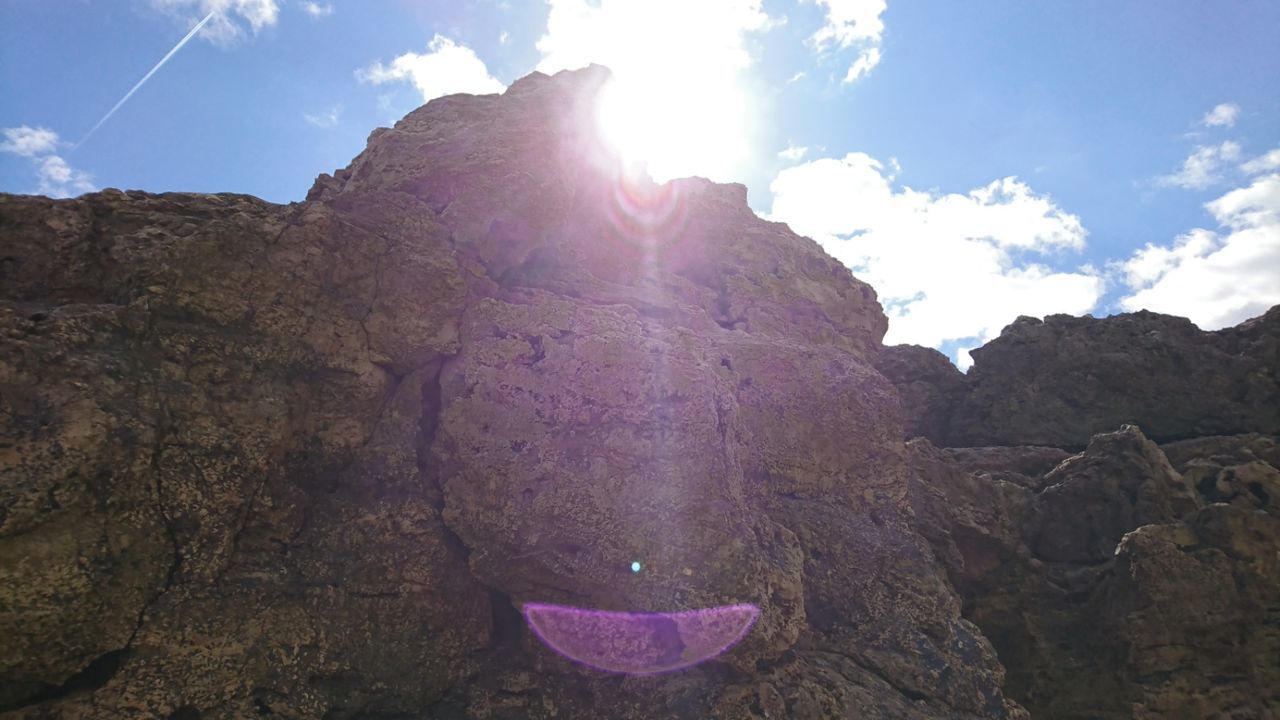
640, 643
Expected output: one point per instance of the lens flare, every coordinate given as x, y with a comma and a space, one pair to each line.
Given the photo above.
645, 213
640, 643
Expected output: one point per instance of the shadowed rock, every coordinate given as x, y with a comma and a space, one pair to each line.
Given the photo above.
310, 460
1114, 586
1059, 381
313, 460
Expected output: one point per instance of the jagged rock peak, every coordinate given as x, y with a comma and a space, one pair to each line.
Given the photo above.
1061, 380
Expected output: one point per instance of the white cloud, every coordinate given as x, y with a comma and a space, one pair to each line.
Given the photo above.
325, 119
793, 153
59, 180
1223, 115
1215, 278
446, 69
947, 267
229, 16
853, 24
1202, 167
796, 78
316, 10
56, 178
863, 65
1262, 163
503, 37
964, 360
28, 141
677, 69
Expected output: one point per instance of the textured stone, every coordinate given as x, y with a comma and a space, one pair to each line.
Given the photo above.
928, 384
1059, 381
1111, 587
310, 460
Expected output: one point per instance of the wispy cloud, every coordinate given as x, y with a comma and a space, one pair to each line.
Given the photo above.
325, 119
855, 24
1262, 163
1223, 115
55, 177
863, 65
793, 153
316, 10
228, 18
1203, 167
446, 68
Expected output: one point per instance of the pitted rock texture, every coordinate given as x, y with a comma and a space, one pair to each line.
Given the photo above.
309, 460
928, 385
1060, 380
1118, 584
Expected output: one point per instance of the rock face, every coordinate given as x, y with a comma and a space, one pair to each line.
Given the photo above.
310, 461
1059, 381
1117, 585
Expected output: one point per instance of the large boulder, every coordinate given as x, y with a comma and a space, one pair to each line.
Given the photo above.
928, 385
311, 460
1116, 585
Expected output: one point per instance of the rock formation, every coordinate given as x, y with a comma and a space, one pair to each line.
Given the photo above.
1117, 585
1061, 380
1130, 579
311, 460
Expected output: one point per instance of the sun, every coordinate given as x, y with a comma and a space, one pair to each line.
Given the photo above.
675, 128
679, 101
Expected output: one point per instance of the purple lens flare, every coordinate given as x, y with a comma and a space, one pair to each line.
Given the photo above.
640, 643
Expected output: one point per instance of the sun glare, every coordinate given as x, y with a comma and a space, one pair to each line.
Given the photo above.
678, 102
675, 129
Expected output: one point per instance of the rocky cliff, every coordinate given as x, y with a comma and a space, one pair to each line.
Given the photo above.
1060, 380
312, 460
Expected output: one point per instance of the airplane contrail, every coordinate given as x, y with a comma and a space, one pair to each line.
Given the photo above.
146, 77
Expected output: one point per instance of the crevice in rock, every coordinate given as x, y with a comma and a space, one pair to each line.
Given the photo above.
508, 623
428, 426
94, 675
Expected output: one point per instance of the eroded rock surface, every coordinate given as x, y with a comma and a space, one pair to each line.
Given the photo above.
309, 460
1060, 380
1113, 585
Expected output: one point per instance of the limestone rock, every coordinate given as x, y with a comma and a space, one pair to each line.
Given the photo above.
1115, 586
928, 384
1059, 381
309, 460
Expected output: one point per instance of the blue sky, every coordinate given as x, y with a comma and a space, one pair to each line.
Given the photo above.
974, 161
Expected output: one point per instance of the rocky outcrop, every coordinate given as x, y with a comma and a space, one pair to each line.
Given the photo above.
928, 385
310, 460
1116, 585
1059, 381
